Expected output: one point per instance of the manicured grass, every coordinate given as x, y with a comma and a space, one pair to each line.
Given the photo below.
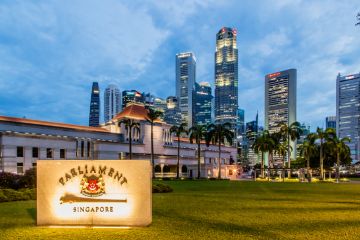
220, 210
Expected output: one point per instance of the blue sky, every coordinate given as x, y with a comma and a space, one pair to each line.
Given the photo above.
51, 51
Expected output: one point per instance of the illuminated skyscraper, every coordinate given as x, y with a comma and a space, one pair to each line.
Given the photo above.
241, 122
280, 101
172, 113
185, 85
226, 77
94, 115
203, 102
112, 99
348, 111
131, 96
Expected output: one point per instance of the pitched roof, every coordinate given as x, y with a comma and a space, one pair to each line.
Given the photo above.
52, 124
134, 111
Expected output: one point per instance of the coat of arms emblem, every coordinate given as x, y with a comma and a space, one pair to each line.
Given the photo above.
92, 186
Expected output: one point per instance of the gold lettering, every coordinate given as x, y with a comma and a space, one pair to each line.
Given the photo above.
79, 169
61, 180
118, 176
73, 172
102, 171
123, 181
67, 177
111, 172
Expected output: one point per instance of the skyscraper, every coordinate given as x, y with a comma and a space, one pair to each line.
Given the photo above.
348, 111
172, 113
94, 116
185, 84
202, 103
252, 131
280, 101
160, 104
226, 76
241, 122
331, 122
112, 99
131, 96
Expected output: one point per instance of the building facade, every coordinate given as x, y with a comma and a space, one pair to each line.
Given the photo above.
330, 122
226, 77
112, 102
240, 124
160, 104
172, 114
23, 142
348, 111
94, 115
131, 96
185, 85
252, 132
202, 103
280, 101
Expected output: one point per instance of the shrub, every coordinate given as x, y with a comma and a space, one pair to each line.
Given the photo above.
9, 180
28, 180
161, 188
30, 192
3, 198
13, 195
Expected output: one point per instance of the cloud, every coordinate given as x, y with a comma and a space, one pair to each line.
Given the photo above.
51, 51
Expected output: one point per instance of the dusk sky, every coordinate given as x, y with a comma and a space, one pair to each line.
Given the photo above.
52, 51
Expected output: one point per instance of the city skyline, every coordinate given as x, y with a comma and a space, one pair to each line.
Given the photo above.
40, 79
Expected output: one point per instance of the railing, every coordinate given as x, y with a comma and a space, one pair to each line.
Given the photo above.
169, 175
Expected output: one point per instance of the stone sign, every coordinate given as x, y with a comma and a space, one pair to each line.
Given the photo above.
94, 192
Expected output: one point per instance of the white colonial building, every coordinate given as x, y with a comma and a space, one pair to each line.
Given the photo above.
23, 142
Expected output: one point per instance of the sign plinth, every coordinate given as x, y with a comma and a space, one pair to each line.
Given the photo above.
94, 193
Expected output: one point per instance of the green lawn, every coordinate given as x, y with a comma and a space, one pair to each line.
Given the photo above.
220, 210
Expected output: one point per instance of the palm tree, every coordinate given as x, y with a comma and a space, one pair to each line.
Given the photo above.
198, 132
130, 124
218, 133
178, 131
291, 132
262, 144
307, 150
282, 150
152, 116
340, 147
323, 136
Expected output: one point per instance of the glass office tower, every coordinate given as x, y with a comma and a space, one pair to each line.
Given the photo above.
348, 111
226, 77
185, 85
94, 116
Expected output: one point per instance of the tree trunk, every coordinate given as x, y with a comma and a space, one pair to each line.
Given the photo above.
308, 169
130, 143
269, 166
283, 170
337, 166
219, 175
178, 159
152, 151
198, 156
321, 160
262, 165
289, 153
289, 157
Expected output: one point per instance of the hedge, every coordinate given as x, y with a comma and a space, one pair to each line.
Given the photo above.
9, 195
